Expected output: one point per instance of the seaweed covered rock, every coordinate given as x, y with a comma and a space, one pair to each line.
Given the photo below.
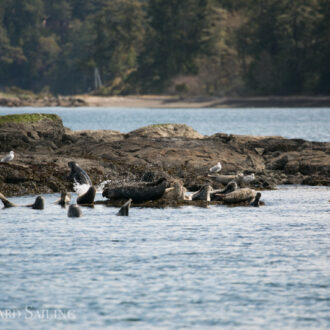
43, 148
30, 131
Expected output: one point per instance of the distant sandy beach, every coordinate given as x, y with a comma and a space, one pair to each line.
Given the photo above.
155, 101
164, 101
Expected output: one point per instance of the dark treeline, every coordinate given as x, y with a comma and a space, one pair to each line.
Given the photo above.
199, 47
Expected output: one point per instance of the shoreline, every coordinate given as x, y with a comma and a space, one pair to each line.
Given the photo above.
165, 101
155, 101
44, 147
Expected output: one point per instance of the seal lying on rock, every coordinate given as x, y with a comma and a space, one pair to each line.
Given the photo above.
232, 195
39, 203
237, 196
124, 210
230, 187
138, 193
77, 174
203, 194
74, 211
88, 197
176, 192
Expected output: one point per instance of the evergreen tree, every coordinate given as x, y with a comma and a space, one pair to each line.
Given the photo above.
174, 40
119, 31
220, 47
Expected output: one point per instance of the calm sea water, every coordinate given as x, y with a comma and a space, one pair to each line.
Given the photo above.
217, 267
310, 124
221, 267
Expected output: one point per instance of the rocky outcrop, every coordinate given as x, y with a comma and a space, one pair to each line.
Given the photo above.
165, 131
30, 132
44, 147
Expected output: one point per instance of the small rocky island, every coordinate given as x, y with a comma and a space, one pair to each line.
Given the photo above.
43, 147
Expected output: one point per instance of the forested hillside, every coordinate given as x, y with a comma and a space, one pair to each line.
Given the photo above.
198, 47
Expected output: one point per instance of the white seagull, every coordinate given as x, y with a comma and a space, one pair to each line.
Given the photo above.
9, 157
215, 168
249, 178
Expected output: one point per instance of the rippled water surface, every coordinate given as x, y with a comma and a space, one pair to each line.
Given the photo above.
310, 124
221, 267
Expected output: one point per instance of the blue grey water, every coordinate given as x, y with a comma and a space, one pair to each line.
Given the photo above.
216, 267
308, 123
248, 268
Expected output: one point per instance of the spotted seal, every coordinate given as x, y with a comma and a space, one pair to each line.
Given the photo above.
124, 210
39, 203
74, 211
77, 174
88, 197
65, 198
139, 192
203, 194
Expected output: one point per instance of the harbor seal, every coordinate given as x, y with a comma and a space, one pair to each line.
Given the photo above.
230, 187
238, 196
138, 193
65, 198
39, 203
6, 202
256, 201
88, 197
124, 210
203, 194
77, 174
74, 211
176, 192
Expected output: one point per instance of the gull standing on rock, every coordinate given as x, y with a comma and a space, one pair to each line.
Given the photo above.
215, 168
249, 178
9, 157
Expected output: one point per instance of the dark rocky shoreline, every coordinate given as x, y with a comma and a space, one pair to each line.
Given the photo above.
163, 101
44, 101
43, 149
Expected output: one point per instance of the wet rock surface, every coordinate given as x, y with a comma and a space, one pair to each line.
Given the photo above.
176, 152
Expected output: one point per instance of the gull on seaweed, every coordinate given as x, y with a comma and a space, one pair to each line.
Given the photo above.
215, 168
249, 178
9, 157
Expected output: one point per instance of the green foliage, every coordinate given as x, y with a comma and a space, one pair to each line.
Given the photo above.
174, 40
198, 47
119, 32
27, 118
280, 40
